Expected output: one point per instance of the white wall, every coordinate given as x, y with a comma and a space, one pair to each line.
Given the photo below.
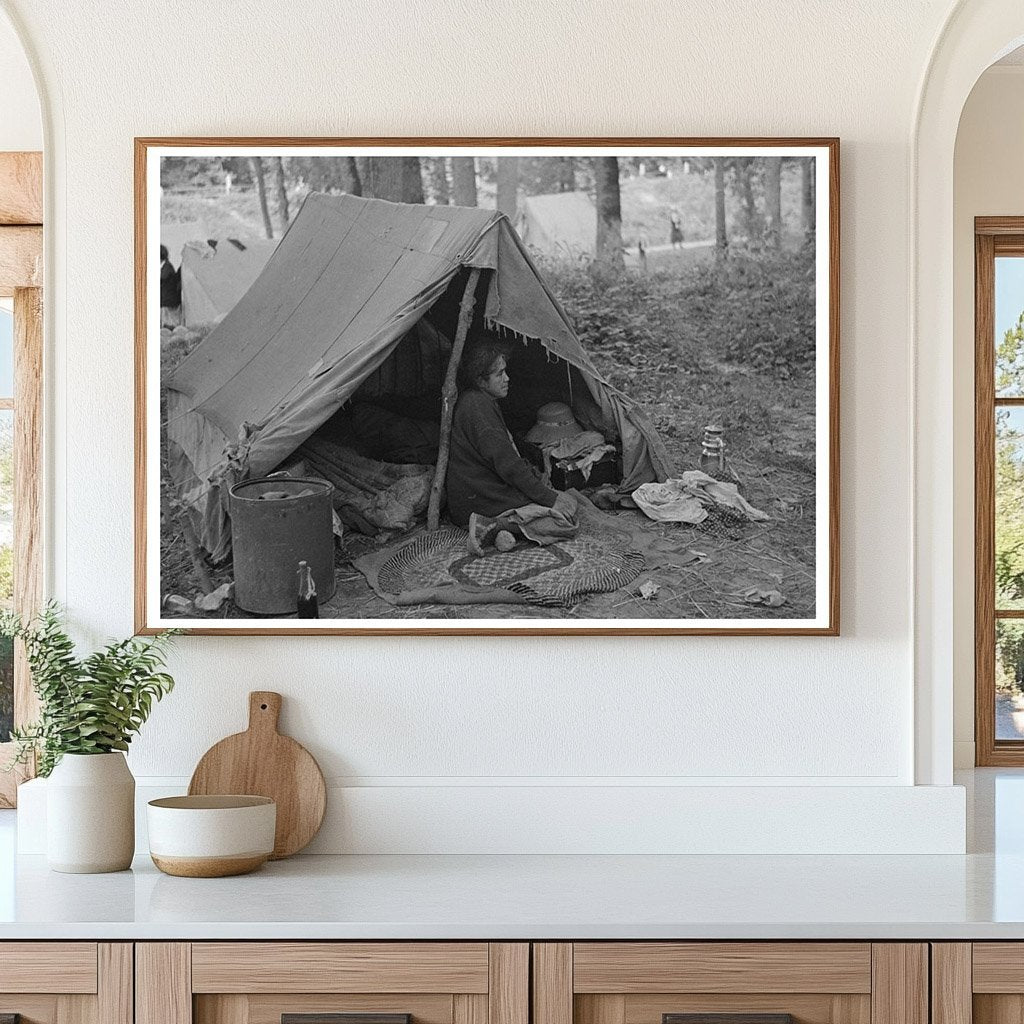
431, 714
21, 127
987, 182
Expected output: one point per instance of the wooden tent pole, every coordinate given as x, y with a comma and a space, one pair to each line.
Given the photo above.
448, 393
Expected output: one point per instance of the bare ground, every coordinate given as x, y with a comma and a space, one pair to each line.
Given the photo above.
777, 555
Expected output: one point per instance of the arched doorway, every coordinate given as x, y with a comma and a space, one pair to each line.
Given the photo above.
977, 33
21, 192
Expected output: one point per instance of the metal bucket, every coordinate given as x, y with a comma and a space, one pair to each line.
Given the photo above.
270, 536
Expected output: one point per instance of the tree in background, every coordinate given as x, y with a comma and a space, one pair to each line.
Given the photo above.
508, 185
543, 175
348, 172
807, 194
396, 178
412, 180
744, 173
1009, 472
436, 168
721, 237
256, 164
191, 171
773, 201
609, 209
566, 168
1010, 361
1010, 654
282, 193
6, 579
464, 180
324, 174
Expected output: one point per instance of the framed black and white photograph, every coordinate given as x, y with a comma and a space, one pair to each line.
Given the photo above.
443, 386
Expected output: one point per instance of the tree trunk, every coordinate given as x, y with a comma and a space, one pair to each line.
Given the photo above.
437, 173
773, 200
807, 191
721, 237
396, 178
316, 179
256, 163
412, 180
609, 209
745, 173
350, 175
566, 174
282, 193
508, 185
464, 180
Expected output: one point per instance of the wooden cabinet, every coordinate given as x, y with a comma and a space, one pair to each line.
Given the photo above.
977, 983
512, 983
262, 982
66, 982
759, 982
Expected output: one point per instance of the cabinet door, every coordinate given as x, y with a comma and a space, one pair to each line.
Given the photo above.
66, 982
981, 982
730, 983
332, 983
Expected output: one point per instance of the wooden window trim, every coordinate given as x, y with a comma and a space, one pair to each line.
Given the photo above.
21, 263
993, 237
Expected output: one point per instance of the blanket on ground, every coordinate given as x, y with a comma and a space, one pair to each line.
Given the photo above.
436, 568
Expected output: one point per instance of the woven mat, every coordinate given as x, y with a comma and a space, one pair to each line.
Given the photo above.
436, 568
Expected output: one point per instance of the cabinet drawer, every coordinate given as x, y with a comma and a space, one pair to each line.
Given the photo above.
64, 967
634, 967
332, 983
66, 982
340, 967
730, 983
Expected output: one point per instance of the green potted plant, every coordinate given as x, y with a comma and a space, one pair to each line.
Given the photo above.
89, 710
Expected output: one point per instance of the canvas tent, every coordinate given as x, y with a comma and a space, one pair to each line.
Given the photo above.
561, 224
215, 277
176, 234
344, 289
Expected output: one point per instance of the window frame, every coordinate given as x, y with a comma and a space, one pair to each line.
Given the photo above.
21, 270
993, 237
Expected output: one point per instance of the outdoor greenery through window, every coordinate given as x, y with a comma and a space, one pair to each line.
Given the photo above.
6, 516
1009, 496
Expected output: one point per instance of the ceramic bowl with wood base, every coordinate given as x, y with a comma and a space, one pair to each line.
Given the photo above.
211, 836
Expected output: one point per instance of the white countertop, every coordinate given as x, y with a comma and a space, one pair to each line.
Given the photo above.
516, 897
977, 896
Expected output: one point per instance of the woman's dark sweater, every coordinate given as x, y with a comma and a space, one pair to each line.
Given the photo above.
486, 473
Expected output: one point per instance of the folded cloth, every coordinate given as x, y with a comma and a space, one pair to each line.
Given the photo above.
542, 525
687, 499
571, 447
586, 462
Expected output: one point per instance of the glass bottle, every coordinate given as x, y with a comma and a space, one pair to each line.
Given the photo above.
307, 606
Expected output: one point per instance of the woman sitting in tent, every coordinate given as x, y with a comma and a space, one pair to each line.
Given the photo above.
492, 490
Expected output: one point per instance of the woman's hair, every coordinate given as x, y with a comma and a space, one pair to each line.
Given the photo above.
479, 358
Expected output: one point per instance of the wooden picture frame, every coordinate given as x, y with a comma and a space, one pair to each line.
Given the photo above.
761, 595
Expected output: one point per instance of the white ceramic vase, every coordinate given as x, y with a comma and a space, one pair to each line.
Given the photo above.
90, 814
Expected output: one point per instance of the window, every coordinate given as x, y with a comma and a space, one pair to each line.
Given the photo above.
6, 512
21, 319
999, 490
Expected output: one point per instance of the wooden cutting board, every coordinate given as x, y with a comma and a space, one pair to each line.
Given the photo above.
262, 762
